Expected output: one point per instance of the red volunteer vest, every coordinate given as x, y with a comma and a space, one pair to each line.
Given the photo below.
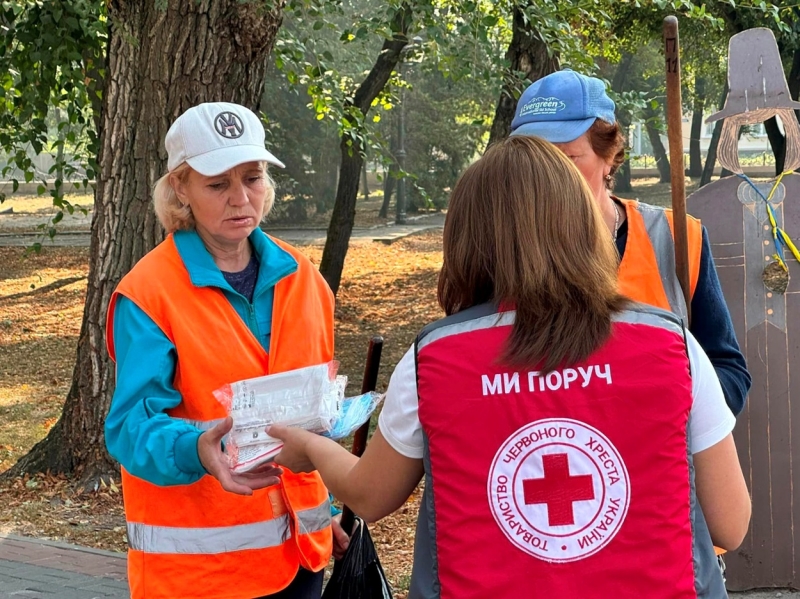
572, 485
198, 540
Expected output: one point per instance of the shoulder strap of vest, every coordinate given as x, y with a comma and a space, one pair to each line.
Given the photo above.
472, 319
160, 267
476, 318
653, 217
636, 313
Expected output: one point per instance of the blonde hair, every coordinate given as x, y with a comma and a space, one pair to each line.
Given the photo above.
523, 230
176, 216
728, 149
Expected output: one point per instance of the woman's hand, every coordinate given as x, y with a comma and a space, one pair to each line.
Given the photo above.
341, 540
209, 448
294, 454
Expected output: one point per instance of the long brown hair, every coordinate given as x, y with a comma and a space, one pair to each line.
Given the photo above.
523, 230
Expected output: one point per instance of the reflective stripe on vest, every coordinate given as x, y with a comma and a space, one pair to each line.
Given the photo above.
314, 519
660, 235
259, 535
649, 316
169, 539
634, 315
484, 322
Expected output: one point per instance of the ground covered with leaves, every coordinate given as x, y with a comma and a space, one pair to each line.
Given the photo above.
387, 290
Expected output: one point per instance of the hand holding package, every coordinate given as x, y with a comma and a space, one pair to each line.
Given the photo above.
311, 398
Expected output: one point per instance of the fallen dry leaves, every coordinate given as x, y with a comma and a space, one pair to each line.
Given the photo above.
49, 507
386, 289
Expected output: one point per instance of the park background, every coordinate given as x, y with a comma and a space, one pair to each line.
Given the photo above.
376, 107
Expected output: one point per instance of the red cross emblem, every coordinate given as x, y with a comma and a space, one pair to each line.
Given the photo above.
558, 489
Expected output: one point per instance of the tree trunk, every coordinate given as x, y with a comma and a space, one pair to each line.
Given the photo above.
794, 91
794, 75
153, 75
778, 143
622, 179
389, 183
660, 154
323, 183
344, 208
364, 182
389, 179
695, 157
711, 155
59, 172
527, 54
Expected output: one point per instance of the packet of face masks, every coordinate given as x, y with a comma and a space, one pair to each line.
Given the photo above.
310, 398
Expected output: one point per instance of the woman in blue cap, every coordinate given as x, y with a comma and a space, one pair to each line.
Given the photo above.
575, 113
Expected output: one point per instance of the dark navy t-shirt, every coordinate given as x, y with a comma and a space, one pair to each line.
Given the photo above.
244, 281
712, 326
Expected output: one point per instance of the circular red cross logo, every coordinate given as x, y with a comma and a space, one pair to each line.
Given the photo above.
558, 489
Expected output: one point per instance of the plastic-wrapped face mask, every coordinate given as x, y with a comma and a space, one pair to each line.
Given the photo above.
309, 398
355, 412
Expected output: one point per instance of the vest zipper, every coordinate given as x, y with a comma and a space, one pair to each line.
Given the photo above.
252, 322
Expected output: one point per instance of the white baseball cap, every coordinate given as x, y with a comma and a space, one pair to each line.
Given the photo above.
215, 137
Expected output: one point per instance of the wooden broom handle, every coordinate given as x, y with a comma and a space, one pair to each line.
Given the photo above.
675, 136
369, 382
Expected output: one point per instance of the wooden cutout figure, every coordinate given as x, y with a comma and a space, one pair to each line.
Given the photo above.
763, 294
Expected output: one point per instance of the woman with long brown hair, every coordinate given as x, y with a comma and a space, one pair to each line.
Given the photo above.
574, 444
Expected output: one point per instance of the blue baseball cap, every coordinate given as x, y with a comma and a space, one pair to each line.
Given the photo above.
562, 106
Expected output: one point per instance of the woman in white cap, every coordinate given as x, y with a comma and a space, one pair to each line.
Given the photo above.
575, 113
217, 301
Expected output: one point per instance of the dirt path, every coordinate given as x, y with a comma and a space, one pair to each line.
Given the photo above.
16, 232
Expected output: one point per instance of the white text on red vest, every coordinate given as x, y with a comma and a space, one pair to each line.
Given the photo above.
509, 382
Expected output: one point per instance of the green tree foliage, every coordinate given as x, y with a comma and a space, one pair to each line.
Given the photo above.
51, 63
446, 122
309, 148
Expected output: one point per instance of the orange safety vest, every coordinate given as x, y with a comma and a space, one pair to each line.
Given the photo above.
647, 271
198, 540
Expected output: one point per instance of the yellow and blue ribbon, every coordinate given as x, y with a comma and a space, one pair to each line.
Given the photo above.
781, 240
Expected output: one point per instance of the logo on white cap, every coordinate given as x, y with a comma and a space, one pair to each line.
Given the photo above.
214, 137
229, 125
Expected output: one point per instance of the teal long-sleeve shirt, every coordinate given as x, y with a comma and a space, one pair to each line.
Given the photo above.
140, 435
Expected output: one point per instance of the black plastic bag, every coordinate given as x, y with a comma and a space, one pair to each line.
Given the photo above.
358, 575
